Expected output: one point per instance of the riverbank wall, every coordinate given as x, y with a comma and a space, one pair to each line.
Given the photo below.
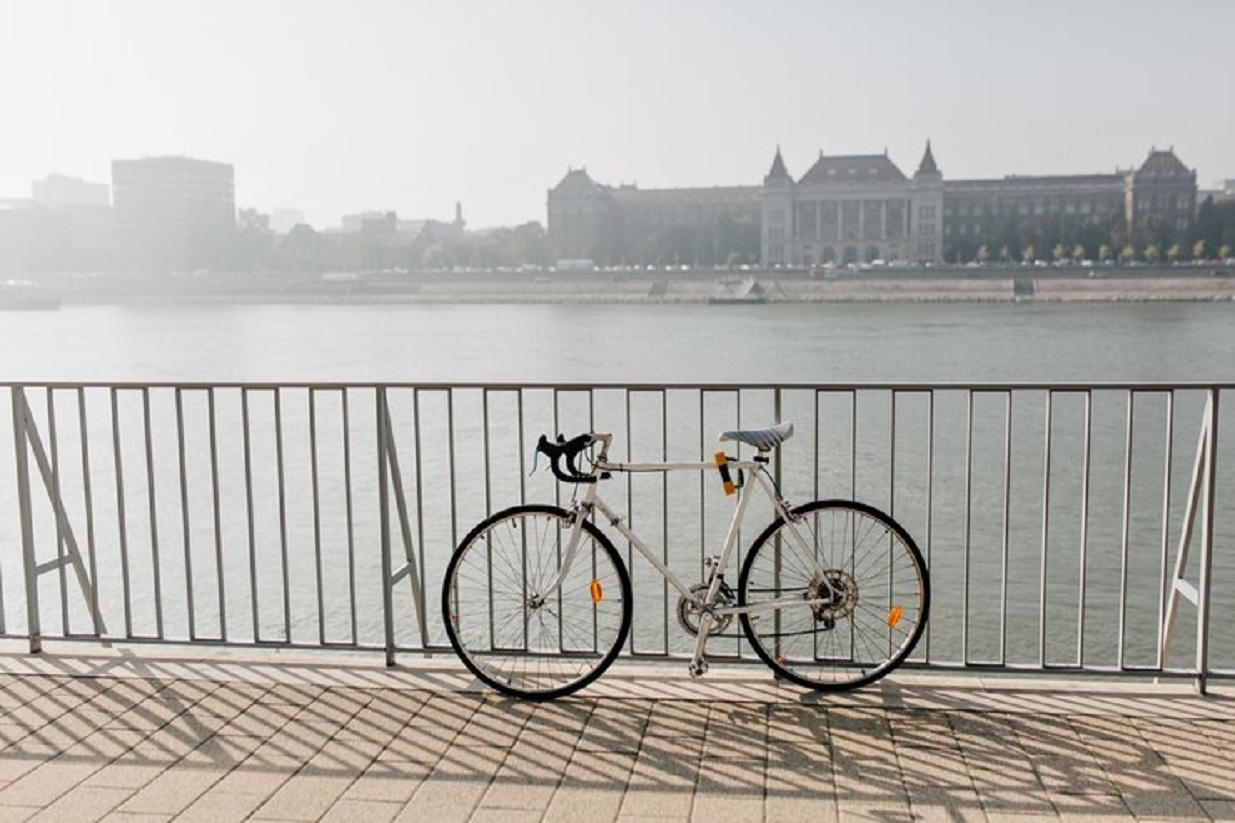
652, 288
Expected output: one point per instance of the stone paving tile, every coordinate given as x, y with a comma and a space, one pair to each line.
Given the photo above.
454, 787
84, 803
945, 804
731, 790
1219, 809
1091, 807
591, 788
219, 805
664, 777
370, 811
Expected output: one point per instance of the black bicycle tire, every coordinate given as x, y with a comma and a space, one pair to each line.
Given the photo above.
896, 661
599, 669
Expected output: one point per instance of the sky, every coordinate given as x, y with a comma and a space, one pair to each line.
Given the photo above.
339, 107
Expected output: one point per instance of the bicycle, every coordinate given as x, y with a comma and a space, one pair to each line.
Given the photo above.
537, 601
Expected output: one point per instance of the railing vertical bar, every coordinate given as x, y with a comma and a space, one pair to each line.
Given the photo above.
1124, 529
61, 554
738, 421
853, 493
522, 455
484, 431
1046, 524
383, 495
185, 527
853, 445
420, 508
1007, 509
557, 498
484, 425
1166, 516
891, 505
121, 519
282, 492
345, 402
1207, 546
248, 495
591, 427
88, 496
630, 494
1083, 596
965, 574
154, 520
815, 479
454, 491
317, 516
21, 456
930, 503
522, 501
218, 520
664, 511
703, 497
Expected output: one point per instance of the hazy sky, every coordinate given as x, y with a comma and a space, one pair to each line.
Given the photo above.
335, 107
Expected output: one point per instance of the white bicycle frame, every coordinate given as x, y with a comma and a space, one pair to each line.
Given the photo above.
592, 502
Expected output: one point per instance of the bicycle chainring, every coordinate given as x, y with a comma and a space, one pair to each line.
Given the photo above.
688, 615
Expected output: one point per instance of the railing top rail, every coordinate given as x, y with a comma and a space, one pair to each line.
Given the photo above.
671, 385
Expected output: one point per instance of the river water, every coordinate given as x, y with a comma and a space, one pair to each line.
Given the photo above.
980, 609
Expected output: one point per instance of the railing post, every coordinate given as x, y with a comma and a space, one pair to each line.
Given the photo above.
384, 510
1207, 545
30, 573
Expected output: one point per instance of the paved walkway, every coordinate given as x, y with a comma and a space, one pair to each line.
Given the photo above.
271, 743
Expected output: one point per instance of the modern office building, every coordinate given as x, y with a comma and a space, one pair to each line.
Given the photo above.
173, 214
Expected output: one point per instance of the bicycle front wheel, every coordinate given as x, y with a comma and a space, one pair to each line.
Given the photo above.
505, 624
840, 595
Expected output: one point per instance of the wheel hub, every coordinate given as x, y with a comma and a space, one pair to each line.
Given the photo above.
838, 593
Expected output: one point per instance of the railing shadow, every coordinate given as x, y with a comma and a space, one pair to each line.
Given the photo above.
891, 762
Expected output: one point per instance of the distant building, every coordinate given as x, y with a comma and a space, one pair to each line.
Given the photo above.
174, 213
58, 191
1153, 203
626, 224
387, 228
88, 231
861, 208
32, 237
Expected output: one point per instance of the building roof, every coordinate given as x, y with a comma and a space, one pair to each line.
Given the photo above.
576, 181
1163, 163
778, 170
853, 168
927, 166
1030, 181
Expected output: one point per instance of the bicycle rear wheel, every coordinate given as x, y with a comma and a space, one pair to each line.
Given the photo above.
863, 588
497, 623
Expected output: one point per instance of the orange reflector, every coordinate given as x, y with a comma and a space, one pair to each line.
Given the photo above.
596, 590
722, 463
894, 616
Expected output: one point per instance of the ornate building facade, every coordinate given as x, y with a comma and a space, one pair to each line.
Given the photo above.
861, 208
852, 208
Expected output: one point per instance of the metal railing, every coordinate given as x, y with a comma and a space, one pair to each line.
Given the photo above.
1062, 523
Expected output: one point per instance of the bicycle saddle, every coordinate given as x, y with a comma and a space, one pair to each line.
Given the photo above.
762, 439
